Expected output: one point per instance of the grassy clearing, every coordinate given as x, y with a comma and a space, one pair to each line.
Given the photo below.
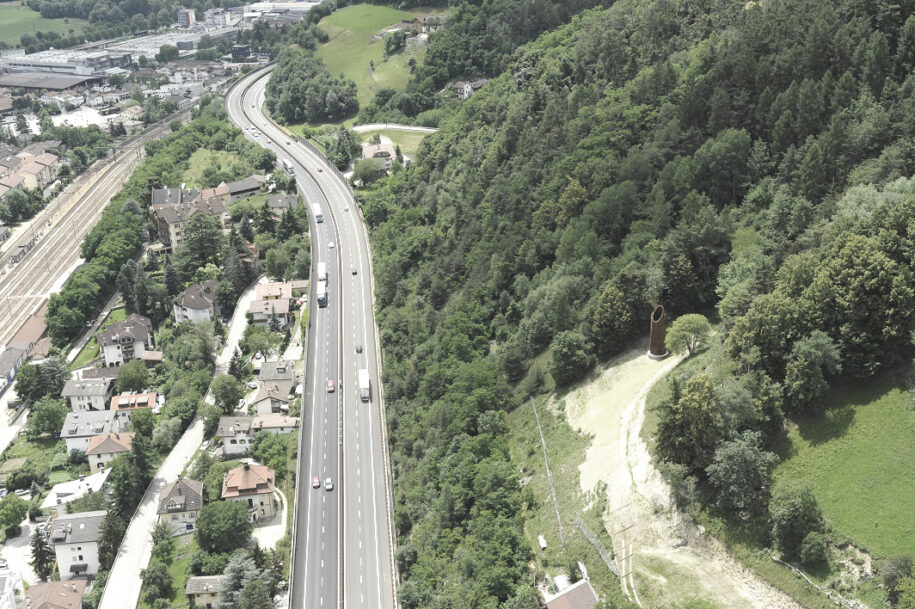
566, 450
408, 141
91, 350
185, 547
350, 48
246, 206
858, 457
205, 158
15, 21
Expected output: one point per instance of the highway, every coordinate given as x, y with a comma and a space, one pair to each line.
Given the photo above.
342, 545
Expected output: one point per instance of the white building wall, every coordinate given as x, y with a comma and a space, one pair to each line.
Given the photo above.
81, 444
195, 316
72, 553
239, 445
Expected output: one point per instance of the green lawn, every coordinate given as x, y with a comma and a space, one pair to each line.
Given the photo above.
204, 158
351, 48
91, 350
18, 20
860, 459
408, 141
185, 546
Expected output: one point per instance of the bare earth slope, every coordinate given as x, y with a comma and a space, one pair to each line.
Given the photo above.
660, 552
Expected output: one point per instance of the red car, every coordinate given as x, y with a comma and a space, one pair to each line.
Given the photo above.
330, 386
315, 482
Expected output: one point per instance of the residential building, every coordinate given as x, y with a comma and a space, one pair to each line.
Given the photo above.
88, 394
126, 340
80, 427
172, 217
186, 17
203, 591
180, 503
75, 539
65, 492
384, 152
279, 370
580, 595
253, 486
221, 192
11, 592
196, 303
262, 310
237, 433
104, 448
29, 335
10, 361
56, 595
240, 52
216, 17
279, 203
273, 291
14, 180
8, 165
242, 189
127, 403
34, 175
272, 397
464, 90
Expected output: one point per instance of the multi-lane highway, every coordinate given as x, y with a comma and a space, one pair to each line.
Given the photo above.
342, 544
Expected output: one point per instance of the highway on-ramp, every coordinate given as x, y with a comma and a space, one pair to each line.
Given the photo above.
342, 544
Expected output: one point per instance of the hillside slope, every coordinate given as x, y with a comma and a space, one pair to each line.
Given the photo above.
651, 152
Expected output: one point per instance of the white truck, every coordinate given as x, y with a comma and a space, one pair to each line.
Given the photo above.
322, 294
288, 166
365, 387
316, 211
322, 271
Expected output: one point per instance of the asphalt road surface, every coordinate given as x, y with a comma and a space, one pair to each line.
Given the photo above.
342, 552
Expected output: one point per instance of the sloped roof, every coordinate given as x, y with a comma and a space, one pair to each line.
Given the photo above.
77, 528
248, 479
278, 390
134, 326
204, 584
56, 595
47, 159
33, 168
277, 289
90, 423
110, 443
280, 370
182, 495
85, 388
579, 595
230, 426
198, 296
133, 400
266, 307
252, 182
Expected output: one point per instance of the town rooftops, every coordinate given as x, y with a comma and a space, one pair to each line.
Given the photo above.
10, 359
110, 443
277, 390
47, 159
134, 327
85, 388
133, 401
179, 212
166, 196
39, 148
87, 424
282, 201
248, 479
229, 427
77, 528
11, 181
204, 584
198, 296
277, 290
33, 168
56, 595
182, 495
280, 370
10, 161
267, 307
251, 183
222, 190
33, 328
65, 492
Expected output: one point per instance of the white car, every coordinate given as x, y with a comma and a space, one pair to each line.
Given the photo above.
268, 141
330, 244
328, 484
251, 385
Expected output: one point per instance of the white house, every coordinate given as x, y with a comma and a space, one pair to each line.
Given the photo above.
251, 485
272, 397
180, 504
237, 433
65, 492
126, 340
105, 447
80, 427
10, 588
197, 303
75, 539
88, 394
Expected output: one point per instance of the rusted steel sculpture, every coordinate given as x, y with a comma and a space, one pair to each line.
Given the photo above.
656, 347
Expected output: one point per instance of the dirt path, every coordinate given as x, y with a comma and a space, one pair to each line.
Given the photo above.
661, 554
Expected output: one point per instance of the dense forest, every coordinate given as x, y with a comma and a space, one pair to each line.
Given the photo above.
745, 161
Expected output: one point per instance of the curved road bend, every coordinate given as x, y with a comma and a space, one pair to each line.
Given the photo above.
363, 497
